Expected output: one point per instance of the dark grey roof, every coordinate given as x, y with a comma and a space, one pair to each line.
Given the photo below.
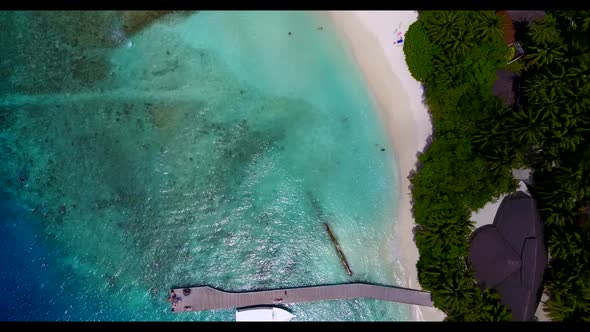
510, 255
504, 87
525, 15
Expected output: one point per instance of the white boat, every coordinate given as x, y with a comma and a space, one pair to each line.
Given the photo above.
263, 314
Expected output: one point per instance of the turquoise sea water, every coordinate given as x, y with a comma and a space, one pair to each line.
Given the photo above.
205, 148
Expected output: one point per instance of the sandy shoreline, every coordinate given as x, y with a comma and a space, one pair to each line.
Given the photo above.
371, 38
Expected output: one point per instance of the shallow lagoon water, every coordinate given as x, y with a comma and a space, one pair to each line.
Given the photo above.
204, 148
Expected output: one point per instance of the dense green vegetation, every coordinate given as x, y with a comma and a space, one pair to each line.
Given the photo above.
516, 67
453, 177
553, 138
477, 142
419, 52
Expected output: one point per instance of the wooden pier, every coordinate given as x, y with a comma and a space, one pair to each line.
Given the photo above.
208, 298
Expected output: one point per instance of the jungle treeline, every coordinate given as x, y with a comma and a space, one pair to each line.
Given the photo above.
477, 142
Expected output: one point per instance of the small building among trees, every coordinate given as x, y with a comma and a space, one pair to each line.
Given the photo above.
510, 256
506, 87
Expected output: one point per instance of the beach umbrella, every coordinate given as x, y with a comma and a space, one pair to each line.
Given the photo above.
510, 255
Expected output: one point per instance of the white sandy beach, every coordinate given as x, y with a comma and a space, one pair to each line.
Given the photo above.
371, 36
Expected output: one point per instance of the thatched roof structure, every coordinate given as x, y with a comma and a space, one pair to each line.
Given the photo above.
510, 255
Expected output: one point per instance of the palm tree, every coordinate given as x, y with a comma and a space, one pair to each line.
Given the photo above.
457, 292
565, 140
459, 316
565, 245
533, 85
488, 26
578, 20
579, 83
432, 273
446, 27
542, 55
558, 309
488, 311
527, 127
459, 46
567, 288
544, 31
584, 21
496, 136
445, 237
